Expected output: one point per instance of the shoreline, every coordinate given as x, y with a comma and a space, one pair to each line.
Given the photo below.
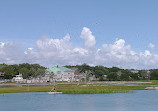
72, 88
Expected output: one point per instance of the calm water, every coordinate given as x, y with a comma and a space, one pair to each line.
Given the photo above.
136, 101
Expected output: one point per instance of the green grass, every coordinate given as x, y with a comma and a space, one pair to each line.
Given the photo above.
98, 89
73, 89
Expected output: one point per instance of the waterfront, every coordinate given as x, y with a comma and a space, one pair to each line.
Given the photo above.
143, 100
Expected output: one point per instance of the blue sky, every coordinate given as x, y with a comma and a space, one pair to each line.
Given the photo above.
135, 21
26, 21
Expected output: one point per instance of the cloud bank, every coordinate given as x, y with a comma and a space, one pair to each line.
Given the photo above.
49, 52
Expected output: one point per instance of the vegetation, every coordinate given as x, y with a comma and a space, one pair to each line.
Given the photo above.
27, 70
154, 74
111, 74
100, 72
72, 89
98, 89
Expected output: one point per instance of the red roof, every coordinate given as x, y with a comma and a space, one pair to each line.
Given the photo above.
1, 74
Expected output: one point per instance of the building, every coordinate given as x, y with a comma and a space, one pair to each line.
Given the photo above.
61, 73
1, 75
146, 74
18, 78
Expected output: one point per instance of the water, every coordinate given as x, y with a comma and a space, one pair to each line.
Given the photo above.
137, 101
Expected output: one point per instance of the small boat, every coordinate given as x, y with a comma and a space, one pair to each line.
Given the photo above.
55, 92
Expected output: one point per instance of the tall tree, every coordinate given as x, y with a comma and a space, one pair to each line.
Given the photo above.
112, 76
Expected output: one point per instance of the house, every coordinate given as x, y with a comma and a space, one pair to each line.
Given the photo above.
61, 73
1, 75
18, 78
146, 74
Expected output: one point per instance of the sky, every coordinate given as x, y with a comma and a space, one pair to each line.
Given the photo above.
121, 33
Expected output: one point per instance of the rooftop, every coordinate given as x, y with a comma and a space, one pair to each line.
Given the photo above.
57, 70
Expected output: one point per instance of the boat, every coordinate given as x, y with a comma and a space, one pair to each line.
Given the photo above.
55, 92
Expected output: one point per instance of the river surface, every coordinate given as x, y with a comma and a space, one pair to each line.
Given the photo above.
146, 100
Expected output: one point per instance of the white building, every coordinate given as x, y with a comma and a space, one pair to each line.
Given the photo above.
61, 73
18, 78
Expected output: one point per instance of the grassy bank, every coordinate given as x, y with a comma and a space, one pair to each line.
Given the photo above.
73, 89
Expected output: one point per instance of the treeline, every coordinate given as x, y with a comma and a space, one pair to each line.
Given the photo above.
101, 73
117, 74
27, 70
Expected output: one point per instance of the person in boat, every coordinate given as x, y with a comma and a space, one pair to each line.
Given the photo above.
54, 89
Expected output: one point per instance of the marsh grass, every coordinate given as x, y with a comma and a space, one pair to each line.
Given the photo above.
98, 89
73, 89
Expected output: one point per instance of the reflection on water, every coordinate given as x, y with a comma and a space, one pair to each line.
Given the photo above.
136, 101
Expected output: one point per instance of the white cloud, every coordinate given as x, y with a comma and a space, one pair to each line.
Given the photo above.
10, 53
86, 34
2, 44
151, 46
116, 54
67, 37
49, 52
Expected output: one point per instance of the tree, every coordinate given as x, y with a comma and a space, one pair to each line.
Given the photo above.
154, 74
124, 77
15, 68
112, 76
134, 76
39, 72
114, 69
100, 71
8, 72
25, 72
84, 67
